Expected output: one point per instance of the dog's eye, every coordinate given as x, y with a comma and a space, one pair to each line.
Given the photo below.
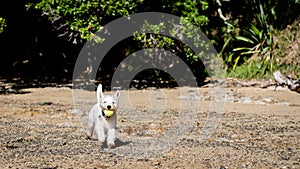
104, 102
113, 102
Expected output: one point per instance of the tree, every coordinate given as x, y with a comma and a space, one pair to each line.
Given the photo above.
242, 31
77, 20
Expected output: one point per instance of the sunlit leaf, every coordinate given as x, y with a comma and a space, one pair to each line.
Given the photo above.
244, 39
241, 48
236, 62
255, 30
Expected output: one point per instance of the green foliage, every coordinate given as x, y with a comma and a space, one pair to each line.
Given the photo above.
246, 71
257, 44
251, 70
248, 45
286, 51
192, 11
245, 32
2, 24
84, 16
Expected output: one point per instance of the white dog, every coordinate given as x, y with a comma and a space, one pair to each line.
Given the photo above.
99, 122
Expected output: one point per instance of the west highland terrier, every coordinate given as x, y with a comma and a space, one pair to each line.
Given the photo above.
103, 118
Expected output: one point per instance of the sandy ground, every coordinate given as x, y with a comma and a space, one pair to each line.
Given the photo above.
165, 128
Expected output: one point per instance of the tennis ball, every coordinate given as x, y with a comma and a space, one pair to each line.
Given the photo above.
108, 113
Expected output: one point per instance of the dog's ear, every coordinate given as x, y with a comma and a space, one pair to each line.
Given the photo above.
117, 94
99, 92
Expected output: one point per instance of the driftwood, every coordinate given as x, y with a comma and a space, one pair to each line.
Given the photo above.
282, 80
232, 82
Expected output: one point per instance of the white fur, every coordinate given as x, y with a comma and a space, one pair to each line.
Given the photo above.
100, 124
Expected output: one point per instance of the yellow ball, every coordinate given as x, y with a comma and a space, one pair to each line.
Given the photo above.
108, 113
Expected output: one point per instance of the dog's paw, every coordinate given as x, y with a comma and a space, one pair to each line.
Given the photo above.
89, 135
101, 141
111, 144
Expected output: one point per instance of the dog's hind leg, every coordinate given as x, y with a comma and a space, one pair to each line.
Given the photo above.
90, 130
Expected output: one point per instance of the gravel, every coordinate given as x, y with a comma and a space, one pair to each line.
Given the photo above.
40, 129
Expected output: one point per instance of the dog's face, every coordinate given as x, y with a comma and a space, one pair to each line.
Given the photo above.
107, 102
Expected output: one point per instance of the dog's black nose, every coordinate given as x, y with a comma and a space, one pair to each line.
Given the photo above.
108, 107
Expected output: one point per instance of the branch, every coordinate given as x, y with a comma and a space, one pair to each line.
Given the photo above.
219, 10
282, 80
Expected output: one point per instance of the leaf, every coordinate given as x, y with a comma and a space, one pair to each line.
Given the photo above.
244, 39
241, 48
255, 30
261, 35
229, 58
204, 5
249, 52
225, 45
236, 62
253, 35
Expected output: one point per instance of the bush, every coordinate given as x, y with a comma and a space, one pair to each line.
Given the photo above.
2, 24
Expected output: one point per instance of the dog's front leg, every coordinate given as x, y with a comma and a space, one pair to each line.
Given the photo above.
111, 136
100, 132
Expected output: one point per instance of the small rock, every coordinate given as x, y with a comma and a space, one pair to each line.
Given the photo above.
222, 167
44, 103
